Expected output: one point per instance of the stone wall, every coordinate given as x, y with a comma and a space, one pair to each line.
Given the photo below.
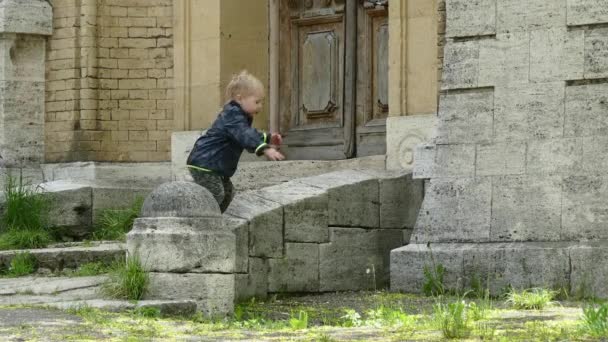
516, 169
110, 81
331, 232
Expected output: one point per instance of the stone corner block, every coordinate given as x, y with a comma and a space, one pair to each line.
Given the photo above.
26, 17
265, 223
353, 197
240, 229
403, 134
182, 245
213, 293
305, 210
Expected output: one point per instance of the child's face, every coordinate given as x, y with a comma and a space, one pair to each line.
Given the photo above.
251, 104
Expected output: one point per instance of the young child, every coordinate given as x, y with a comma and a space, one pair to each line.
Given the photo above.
215, 155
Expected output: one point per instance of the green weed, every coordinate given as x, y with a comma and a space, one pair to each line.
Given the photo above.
147, 312
530, 299
433, 280
453, 319
127, 281
595, 320
351, 318
25, 208
91, 269
299, 322
385, 316
26, 238
22, 264
114, 224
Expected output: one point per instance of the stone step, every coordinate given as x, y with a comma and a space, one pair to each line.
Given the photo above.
59, 258
76, 292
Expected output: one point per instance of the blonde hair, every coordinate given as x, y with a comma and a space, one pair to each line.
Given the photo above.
243, 84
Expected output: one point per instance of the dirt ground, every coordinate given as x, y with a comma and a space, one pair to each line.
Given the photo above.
268, 320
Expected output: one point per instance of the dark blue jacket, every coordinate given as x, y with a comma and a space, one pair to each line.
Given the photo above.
220, 148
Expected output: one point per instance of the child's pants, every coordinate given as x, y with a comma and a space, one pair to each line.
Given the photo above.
220, 187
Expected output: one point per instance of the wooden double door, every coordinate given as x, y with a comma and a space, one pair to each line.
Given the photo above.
333, 77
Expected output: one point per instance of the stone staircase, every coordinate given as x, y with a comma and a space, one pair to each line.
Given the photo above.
60, 257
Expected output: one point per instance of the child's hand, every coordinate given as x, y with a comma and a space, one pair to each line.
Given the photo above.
272, 154
276, 139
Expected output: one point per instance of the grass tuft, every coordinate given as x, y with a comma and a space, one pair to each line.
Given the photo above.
22, 264
453, 319
24, 238
25, 207
114, 224
25, 218
300, 321
530, 299
595, 320
127, 281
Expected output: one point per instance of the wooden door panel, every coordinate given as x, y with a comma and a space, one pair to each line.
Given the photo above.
372, 78
317, 99
311, 81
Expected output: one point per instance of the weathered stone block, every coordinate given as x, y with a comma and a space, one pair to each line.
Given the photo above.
400, 198
529, 111
403, 133
585, 12
181, 200
194, 245
595, 154
455, 161
19, 65
496, 265
558, 54
466, 117
213, 293
407, 265
357, 259
305, 210
508, 158
424, 166
255, 282
520, 265
298, 271
526, 208
586, 110
528, 15
505, 60
240, 229
588, 221
596, 53
27, 17
555, 156
589, 273
265, 223
21, 123
455, 210
353, 198
466, 18
461, 65
71, 207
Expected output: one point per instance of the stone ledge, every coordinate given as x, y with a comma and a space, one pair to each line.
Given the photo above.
563, 264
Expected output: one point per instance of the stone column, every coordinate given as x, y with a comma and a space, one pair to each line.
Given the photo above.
23, 27
181, 240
